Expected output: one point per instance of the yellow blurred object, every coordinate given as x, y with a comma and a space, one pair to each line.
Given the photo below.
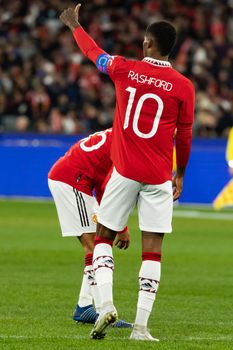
174, 166
229, 150
225, 197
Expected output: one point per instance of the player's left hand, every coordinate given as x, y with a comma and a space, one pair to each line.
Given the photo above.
177, 184
70, 17
122, 240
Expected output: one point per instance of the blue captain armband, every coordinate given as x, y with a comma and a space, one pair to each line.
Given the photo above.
102, 62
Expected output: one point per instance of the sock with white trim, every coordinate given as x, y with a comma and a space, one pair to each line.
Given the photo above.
149, 278
103, 265
85, 295
92, 282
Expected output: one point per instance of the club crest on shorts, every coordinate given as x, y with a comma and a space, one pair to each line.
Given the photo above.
94, 218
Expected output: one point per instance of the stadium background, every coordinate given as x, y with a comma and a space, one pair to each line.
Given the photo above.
50, 95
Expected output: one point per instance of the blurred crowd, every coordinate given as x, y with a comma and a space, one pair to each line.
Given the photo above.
47, 86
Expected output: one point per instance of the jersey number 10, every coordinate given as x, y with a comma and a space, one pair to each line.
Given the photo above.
138, 108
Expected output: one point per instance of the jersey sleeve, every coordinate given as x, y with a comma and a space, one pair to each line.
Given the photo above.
105, 63
184, 125
117, 65
87, 45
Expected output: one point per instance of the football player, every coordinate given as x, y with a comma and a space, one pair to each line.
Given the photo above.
72, 181
152, 100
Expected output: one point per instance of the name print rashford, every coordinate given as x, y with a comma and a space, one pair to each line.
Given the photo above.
144, 79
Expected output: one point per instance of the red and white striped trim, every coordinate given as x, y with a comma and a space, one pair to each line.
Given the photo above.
157, 63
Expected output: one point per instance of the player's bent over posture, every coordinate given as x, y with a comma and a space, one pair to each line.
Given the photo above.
72, 180
152, 100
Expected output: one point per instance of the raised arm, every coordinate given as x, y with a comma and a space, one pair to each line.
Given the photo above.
70, 17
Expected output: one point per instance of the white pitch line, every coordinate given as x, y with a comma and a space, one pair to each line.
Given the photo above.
194, 214
216, 338
26, 199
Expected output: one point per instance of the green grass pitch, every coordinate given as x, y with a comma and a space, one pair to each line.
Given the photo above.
40, 275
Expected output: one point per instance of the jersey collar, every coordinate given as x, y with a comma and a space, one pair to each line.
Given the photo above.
157, 63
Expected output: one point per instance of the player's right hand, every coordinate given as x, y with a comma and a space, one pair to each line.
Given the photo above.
122, 240
70, 17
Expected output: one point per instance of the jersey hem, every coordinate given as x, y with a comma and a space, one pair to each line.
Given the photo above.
158, 183
71, 234
110, 226
159, 230
76, 186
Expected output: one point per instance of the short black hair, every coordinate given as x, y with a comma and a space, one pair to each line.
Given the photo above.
164, 34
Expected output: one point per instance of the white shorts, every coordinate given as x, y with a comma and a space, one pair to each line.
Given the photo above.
76, 210
154, 202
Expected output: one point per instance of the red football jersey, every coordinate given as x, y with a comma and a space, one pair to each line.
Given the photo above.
90, 157
152, 100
